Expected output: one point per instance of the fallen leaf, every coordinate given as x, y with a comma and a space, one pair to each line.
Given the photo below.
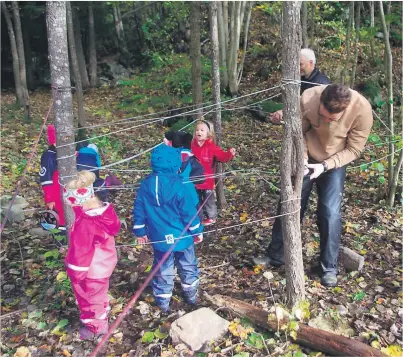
22, 352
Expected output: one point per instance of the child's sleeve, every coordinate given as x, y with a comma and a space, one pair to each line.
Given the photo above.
221, 155
139, 216
197, 172
48, 167
188, 212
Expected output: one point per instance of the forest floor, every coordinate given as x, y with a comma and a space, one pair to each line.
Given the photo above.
37, 306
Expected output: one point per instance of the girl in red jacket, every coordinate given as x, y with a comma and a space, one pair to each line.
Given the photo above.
207, 152
91, 256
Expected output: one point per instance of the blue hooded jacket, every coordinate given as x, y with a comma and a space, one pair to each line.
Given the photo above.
164, 205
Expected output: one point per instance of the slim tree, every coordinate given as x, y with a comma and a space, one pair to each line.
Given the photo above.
92, 46
75, 67
14, 54
195, 54
348, 42
292, 155
215, 68
304, 24
21, 57
79, 49
357, 38
63, 103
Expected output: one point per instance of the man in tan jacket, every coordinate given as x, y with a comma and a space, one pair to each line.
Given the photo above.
336, 122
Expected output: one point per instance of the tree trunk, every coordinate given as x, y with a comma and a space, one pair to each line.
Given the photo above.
63, 104
216, 95
14, 53
28, 54
74, 65
195, 55
348, 42
92, 47
234, 47
79, 49
319, 340
389, 76
395, 180
304, 24
292, 156
21, 58
372, 25
119, 29
223, 39
248, 10
357, 38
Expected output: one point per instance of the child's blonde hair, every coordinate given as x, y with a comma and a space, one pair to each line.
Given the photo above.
85, 178
210, 126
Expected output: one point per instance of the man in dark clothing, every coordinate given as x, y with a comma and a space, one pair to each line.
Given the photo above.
309, 73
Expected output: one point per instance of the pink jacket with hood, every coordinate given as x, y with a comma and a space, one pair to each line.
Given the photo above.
92, 252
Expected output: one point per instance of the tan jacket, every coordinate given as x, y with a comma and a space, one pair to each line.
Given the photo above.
338, 142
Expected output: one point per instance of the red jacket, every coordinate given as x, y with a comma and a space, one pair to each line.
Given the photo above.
207, 154
92, 252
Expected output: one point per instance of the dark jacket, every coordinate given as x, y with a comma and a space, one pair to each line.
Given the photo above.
315, 78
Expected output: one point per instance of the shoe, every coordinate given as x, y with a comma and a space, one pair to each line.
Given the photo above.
329, 279
209, 221
87, 334
266, 261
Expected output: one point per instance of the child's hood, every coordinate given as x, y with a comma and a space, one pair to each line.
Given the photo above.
166, 159
104, 217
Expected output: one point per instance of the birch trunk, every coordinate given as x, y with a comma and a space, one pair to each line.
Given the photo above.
14, 53
63, 104
245, 41
223, 41
372, 25
234, 47
75, 67
348, 42
357, 38
292, 156
216, 95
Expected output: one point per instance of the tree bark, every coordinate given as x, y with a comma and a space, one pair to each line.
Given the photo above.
389, 76
92, 46
28, 54
348, 42
372, 26
79, 49
195, 55
312, 24
21, 58
75, 67
63, 104
395, 180
357, 38
304, 24
314, 338
216, 95
14, 53
234, 47
223, 40
248, 10
292, 156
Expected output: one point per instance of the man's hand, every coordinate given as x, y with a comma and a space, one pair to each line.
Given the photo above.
318, 169
306, 170
232, 151
50, 205
142, 240
276, 117
198, 239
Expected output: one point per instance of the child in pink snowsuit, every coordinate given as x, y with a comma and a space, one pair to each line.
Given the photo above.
91, 256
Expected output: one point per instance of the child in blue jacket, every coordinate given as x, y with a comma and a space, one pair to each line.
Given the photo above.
162, 210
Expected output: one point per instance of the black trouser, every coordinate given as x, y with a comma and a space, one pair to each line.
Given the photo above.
330, 187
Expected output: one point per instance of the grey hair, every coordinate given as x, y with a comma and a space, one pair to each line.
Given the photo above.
309, 55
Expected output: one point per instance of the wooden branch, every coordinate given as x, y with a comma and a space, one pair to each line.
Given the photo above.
314, 338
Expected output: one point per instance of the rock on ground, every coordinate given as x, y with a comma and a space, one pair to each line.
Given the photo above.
198, 328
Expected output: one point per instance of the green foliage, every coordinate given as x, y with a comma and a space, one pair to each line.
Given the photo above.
52, 259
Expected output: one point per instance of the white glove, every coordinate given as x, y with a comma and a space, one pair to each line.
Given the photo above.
318, 169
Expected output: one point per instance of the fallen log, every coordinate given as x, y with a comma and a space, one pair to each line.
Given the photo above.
311, 337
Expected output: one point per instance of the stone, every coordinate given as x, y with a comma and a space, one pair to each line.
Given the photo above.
351, 260
38, 232
16, 213
268, 275
343, 311
198, 328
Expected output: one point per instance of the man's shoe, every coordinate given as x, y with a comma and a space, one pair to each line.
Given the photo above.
209, 221
266, 261
329, 279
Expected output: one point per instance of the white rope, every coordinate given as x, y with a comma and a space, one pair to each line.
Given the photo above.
371, 162
215, 230
382, 121
249, 105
